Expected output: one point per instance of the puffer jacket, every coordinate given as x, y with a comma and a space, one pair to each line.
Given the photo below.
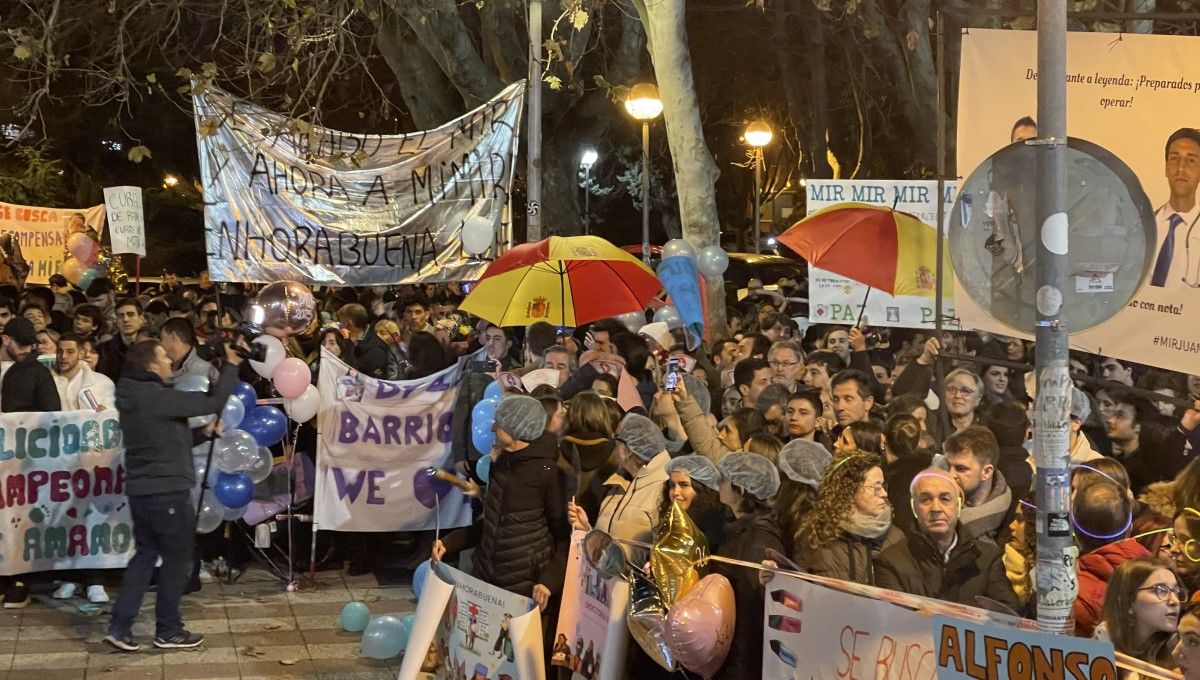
525, 532
1095, 569
746, 538
631, 509
915, 565
849, 557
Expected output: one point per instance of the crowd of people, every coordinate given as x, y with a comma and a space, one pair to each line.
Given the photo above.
835, 447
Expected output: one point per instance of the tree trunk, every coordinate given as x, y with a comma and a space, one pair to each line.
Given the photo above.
428, 96
441, 32
812, 28
502, 21
694, 168
911, 69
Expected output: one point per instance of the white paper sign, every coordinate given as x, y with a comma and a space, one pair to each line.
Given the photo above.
126, 224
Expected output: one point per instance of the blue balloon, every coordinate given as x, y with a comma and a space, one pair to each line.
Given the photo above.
494, 391
419, 575
233, 413
355, 617
384, 637
483, 467
266, 424
234, 489
482, 436
246, 394
484, 411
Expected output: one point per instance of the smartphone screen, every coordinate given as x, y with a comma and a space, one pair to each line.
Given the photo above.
672, 379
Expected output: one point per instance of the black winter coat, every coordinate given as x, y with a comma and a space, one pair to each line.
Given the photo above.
525, 533
915, 566
746, 539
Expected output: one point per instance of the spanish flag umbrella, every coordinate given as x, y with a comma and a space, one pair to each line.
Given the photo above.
563, 280
879, 247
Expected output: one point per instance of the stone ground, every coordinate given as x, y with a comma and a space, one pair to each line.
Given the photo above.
252, 629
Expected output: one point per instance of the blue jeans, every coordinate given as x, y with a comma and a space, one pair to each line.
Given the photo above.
164, 525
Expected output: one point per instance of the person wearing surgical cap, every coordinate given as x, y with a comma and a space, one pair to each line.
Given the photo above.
748, 483
801, 465
630, 511
693, 484
524, 529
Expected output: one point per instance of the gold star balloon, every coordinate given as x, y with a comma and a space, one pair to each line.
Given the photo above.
680, 544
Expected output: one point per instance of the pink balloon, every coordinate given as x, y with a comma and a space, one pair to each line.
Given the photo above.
71, 269
699, 626
291, 378
82, 247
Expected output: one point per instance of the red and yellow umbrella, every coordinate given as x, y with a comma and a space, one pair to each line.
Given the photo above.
563, 280
883, 248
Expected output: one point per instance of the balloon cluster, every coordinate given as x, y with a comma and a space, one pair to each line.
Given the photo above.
87, 261
710, 261
241, 458
383, 636
483, 416
288, 308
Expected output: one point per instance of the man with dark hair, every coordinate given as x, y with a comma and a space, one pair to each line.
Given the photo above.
130, 322
539, 337
1101, 514
819, 366
1176, 218
7, 311
88, 321
178, 339
602, 332
102, 294
416, 317
79, 387
1024, 128
370, 354
754, 346
157, 312
850, 391
159, 480
1010, 424
750, 378
207, 311
971, 456
1119, 370
1146, 444
27, 385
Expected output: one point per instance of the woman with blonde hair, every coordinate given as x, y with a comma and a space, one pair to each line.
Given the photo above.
850, 522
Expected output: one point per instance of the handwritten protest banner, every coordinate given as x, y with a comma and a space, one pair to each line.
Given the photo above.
126, 224
976, 651
42, 233
288, 200
1115, 84
834, 298
591, 638
465, 628
377, 439
62, 503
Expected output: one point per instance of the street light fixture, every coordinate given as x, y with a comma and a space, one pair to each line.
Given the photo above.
758, 134
170, 181
587, 161
644, 105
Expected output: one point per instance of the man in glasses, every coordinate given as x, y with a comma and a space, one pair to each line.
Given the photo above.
1102, 519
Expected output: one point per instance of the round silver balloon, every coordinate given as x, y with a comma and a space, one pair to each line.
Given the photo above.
678, 247
288, 307
712, 261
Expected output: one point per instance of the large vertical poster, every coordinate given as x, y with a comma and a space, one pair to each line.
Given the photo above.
1127, 93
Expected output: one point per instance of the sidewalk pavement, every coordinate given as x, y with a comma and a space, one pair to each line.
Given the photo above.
253, 629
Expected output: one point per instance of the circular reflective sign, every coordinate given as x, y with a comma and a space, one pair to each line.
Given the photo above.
1108, 235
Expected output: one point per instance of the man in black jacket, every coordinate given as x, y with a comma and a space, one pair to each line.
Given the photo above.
370, 354
159, 479
130, 322
940, 559
27, 385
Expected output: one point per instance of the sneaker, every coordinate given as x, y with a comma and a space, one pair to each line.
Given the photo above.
122, 641
96, 594
16, 596
181, 640
65, 591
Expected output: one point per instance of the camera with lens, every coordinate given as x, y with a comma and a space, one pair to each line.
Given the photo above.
248, 330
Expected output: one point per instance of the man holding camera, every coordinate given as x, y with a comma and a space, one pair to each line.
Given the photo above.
159, 479
178, 339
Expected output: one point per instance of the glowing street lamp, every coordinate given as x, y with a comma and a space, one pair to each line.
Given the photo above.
586, 161
170, 181
758, 134
643, 104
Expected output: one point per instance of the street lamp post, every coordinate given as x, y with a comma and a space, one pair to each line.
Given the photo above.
758, 134
644, 105
587, 161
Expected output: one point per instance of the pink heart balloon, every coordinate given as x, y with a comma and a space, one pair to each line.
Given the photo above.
699, 626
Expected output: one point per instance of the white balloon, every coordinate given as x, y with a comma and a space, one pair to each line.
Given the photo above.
304, 407
670, 316
678, 247
275, 354
477, 235
235, 451
712, 261
234, 514
633, 320
210, 516
200, 421
260, 465
192, 383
